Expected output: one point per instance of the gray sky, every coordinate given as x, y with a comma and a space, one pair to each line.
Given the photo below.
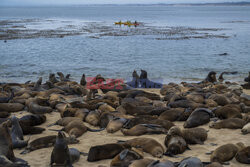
62, 2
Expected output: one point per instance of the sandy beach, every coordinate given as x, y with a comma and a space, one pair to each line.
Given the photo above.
41, 158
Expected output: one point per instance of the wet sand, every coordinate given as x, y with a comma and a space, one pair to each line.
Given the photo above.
41, 158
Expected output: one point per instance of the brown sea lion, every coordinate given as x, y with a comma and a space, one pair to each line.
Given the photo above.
115, 124
230, 123
191, 135
11, 107
185, 104
246, 129
106, 108
243, 156
171, 114
93, 118
52, 78
81, 113
125, 158
228, 111
225, 152
210, 103
175, 145
47, 141
35, 108
105, 118
137, 110
107, 151
60, 154
142, 162
220, 99
65, 121
32, 120
142, 129
199, 116
83, 81
211, 77
17, 134
147, 145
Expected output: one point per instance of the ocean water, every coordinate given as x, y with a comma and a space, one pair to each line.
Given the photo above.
173, 43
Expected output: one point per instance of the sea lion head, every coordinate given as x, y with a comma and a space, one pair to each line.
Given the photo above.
175, 130
211, 76
174, 149
157, 152
144, 74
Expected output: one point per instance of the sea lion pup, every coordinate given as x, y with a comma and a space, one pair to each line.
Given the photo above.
211, 77
225, 152
11, 107
106, 151
246, 129
47, 141
175, 145
60, 154
230, 123
125, 158
115, 124
93, 118
17, 134
52, 78
135, 81
4, 114
142, 129
77, 128
191, 135
171, 114
243, 156
147, 145
227, 111
199, 116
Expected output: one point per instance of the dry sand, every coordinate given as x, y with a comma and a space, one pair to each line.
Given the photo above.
41, 158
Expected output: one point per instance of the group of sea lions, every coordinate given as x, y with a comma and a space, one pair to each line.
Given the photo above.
133, 112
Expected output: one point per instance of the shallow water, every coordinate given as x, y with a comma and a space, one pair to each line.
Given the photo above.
173, 44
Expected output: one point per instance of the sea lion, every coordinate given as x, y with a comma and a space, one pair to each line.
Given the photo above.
211, 77
17, 134
225, 152
93, 117
106, 151
146, 83
115, 124
7, 99
199, 116
30, 130
243, 156
106, 108
32, 119
141, 163
52, 78
47, 141
220, 99
5, 162
228, 111
65, 121
171, 114
175, 145
137, 110
135, 81
246, 129
83, 81
35, 108
125, 158
4, 114
105, 118
144, 119
142, 129
191, 135
11, 107
147, 145
81, 113
247, 79
230, 123
185, 104
60, 154
165, 163
62, 78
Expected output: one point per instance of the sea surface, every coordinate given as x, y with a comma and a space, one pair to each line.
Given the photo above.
173, 43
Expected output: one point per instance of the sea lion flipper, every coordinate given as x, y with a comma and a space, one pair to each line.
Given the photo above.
123, 154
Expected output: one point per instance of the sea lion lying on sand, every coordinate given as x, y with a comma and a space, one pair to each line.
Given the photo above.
191, 135
225, 152
142, 129
106, 151
243, 156
230, 123
175, 145
147, 145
